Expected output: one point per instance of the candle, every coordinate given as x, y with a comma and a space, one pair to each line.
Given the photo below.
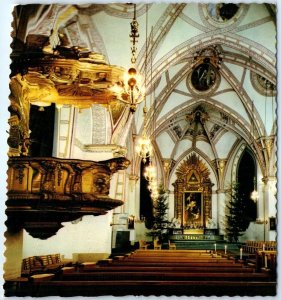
241, 252
215, 247
225, 249
263, 247
265, 261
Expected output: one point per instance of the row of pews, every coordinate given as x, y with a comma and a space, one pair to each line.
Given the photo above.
156, 272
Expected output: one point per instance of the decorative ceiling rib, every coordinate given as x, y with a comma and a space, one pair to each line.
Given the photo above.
245, 61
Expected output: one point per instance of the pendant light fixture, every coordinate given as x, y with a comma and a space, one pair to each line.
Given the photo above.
129, 91
144, 147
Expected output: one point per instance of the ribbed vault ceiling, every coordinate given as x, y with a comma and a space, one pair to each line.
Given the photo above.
174, 38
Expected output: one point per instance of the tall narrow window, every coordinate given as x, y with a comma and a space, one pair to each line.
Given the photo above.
41, 124
246, 179
146, 207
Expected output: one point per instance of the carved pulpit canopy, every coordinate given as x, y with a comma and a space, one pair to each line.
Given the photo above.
193, 189
43, 192
67, 76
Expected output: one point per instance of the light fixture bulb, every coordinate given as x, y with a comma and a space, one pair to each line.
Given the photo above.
132, 72
254, 195
150, 173
144, 147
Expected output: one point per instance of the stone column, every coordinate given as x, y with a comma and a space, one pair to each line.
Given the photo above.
134, 196
272, 205
219, 213
265, 208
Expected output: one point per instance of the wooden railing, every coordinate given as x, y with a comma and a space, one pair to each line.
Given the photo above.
254, 246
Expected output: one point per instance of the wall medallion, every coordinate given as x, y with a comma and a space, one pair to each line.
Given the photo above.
262, 85
222, 14
204, 79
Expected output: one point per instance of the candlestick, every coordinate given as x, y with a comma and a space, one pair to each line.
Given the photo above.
265, 261
263, 247
241, 252
225, 249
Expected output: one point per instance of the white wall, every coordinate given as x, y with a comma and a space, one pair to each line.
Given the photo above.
91, 235
255, 232
13, 254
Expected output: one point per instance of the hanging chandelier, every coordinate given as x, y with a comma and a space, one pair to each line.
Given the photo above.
144, 146
255, 194
150, 172
154, 195
129, 90
153, 188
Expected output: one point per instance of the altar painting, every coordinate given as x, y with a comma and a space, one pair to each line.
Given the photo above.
192, 210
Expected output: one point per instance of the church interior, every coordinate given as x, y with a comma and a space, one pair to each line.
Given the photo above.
142, 150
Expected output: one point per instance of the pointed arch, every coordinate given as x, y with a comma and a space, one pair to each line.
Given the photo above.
246, 177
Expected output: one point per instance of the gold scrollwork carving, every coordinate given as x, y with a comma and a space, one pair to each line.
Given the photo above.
193, 176
65, 188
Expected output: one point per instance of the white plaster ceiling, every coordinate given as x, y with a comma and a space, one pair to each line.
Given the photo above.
175, 31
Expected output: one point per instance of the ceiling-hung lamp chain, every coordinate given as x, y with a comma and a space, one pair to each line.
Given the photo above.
129, 91
153, 185
135, 94
254, 194
134, 36
144, 147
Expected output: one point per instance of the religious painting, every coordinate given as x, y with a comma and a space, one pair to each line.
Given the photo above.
193, 209
272, 223
203, 77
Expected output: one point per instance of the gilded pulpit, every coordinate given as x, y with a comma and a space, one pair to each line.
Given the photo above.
46, 188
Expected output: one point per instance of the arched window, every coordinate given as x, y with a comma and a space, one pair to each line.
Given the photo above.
146, 207
247, 175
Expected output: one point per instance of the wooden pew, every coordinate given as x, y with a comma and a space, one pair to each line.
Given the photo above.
177, 264
212, 268
177, 260
168, 276
191, 273
147, 288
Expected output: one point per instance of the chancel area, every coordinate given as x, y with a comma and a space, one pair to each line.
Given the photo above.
142, 150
